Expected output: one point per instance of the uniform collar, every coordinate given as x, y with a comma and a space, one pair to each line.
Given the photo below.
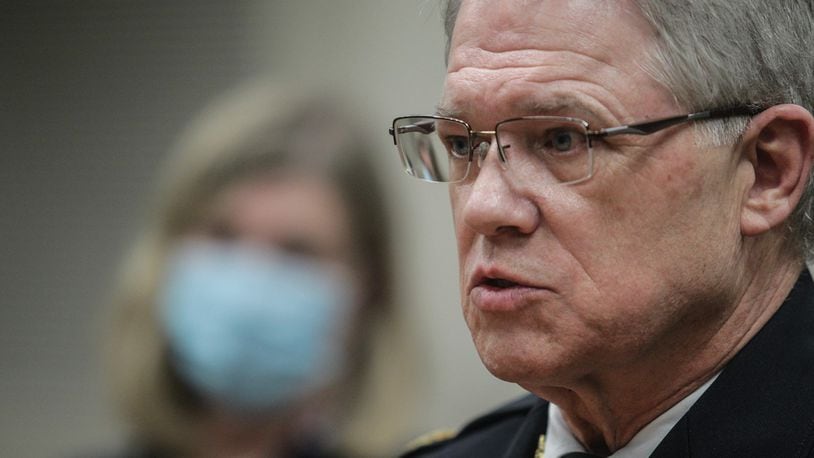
560, 440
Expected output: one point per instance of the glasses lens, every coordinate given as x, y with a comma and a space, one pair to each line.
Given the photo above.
545, 146
433, 149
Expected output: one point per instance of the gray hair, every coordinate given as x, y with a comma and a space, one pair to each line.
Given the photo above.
718, 53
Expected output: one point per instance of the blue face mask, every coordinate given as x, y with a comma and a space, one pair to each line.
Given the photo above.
255, 330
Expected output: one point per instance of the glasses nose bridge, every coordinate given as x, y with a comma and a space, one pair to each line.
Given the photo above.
478, 139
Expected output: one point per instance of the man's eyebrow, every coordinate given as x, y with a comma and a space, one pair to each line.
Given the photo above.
448, 112
558, 105
554, 105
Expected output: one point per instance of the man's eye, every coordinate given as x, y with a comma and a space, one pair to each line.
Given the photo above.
457, 146
561, 140
557, 141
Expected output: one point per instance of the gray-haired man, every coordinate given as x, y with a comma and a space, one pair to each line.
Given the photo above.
630, 190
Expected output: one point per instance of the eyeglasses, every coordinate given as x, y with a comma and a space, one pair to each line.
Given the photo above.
441, 149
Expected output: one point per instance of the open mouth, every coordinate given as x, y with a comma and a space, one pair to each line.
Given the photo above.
499, 294
498, 283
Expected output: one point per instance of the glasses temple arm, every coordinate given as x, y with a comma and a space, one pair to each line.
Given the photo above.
650, 127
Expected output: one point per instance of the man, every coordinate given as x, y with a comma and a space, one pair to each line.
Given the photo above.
629, 190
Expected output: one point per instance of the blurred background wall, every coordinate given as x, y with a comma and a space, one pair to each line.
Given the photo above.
92, 94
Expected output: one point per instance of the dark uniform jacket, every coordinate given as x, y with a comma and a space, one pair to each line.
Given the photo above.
761, 405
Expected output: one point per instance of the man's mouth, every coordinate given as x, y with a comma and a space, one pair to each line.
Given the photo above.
493, 277
498, 282
496, 290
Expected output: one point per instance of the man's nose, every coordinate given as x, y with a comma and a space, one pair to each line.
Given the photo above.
495, 204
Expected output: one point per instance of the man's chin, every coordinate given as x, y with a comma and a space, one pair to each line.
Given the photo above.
509, 368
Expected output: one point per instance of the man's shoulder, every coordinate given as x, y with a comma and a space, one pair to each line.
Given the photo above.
485, 436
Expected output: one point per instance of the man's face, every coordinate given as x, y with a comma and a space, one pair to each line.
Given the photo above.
563, 282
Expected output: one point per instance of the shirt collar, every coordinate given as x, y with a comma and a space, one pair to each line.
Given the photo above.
559, 439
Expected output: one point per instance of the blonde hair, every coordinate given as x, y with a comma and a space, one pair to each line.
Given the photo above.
256, 128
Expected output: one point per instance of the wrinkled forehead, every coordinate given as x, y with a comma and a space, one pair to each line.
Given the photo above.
498, 45
516, 25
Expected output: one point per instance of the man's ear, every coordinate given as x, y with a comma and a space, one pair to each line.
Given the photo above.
778, 143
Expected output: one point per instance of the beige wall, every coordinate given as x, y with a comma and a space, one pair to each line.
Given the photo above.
99, 90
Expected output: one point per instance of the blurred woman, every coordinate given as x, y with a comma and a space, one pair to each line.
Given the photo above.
246, 309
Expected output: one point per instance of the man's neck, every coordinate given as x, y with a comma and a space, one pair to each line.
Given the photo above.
605, 410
